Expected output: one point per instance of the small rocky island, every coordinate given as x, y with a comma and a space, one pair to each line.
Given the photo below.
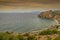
50, 15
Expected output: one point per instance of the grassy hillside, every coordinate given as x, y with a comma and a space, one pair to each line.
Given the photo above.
48, 34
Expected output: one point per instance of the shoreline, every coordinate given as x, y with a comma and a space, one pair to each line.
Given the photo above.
35, 31
56, 21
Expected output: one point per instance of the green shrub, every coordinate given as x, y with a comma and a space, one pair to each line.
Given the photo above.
10, 38
49, 38
31, 38
57, 38
7, 36
1, 38
20, 37
26, 34
48, 32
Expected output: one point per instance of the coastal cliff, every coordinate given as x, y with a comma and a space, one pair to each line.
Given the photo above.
46, 14
50, 15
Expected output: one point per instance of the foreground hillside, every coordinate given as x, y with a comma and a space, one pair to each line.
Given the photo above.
47, 34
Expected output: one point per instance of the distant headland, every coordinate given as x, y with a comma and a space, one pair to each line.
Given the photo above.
50, 15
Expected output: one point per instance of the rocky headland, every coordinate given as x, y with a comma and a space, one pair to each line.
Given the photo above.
50, 15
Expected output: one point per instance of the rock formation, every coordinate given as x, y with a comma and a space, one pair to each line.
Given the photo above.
46, 14
50, 14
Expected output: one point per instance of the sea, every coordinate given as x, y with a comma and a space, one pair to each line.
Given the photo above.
23, 22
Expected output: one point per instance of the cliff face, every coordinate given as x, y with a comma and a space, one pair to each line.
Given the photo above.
46, 14
49, 14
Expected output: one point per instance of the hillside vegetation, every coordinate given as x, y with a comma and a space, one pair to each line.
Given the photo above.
47, 34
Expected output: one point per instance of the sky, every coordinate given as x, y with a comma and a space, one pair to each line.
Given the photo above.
28, 5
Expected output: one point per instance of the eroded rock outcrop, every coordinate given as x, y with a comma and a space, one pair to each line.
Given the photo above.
46, 14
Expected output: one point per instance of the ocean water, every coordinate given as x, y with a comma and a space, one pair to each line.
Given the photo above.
23, 22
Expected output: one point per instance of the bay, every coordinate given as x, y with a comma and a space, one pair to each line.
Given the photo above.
23, 22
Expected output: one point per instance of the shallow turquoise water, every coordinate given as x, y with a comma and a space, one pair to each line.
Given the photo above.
26, 22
